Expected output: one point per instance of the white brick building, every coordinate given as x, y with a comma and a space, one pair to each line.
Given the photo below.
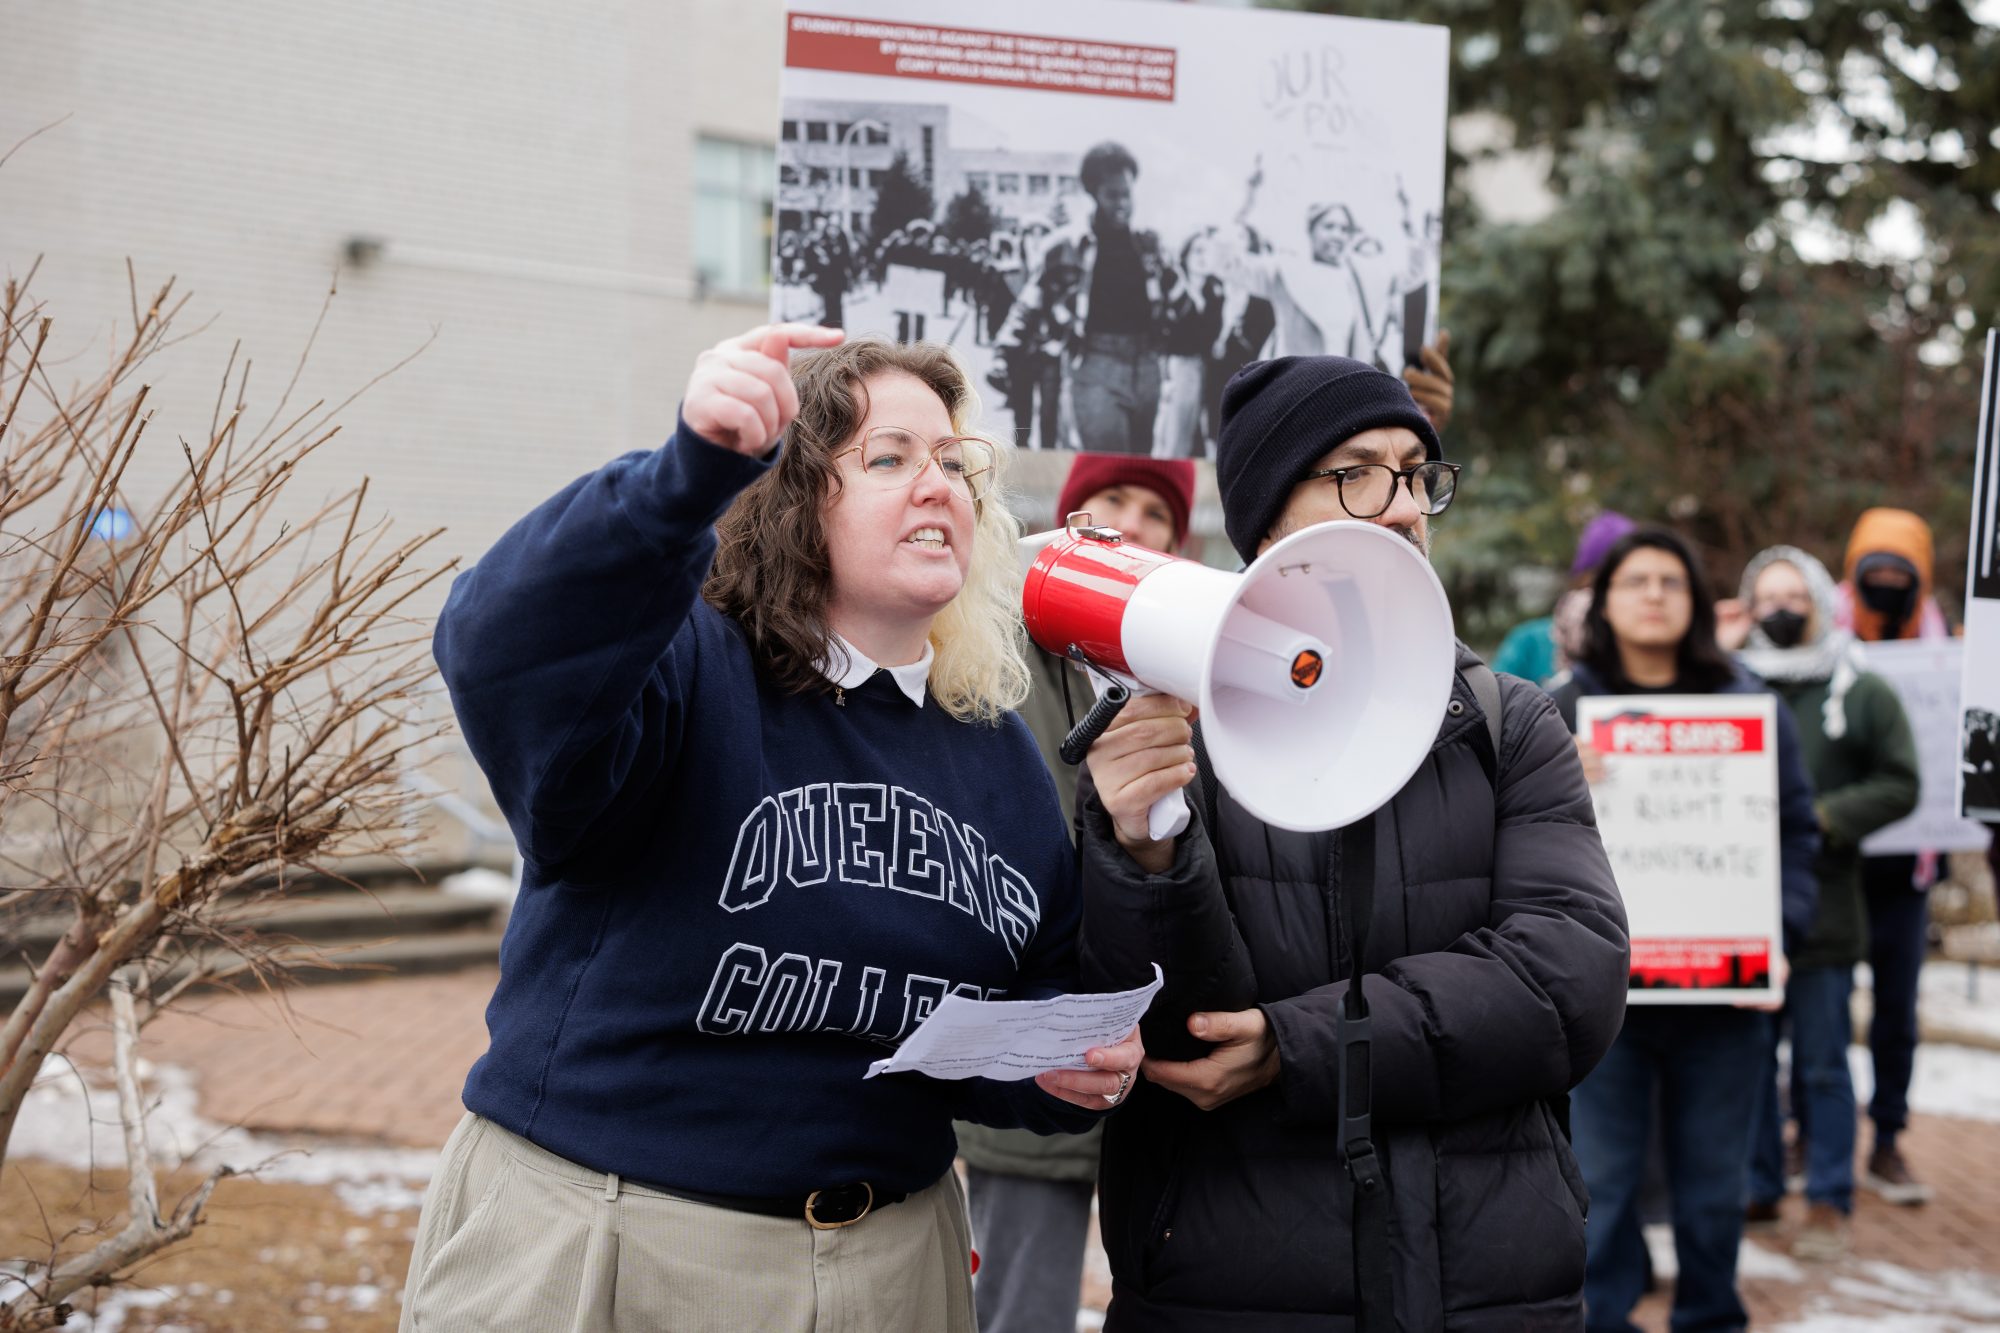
573, 197
528, 170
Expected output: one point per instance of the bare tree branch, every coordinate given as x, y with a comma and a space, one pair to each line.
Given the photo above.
215, 702
32, 135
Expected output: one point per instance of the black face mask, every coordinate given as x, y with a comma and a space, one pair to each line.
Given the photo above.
1785, 629
1892, 603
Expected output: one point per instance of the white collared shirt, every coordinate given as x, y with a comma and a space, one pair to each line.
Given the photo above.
847, 666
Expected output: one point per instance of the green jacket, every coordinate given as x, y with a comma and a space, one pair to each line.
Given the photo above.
1044, 713
1864, 780
1022, 1152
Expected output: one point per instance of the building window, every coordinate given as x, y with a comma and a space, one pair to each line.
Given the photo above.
790, 133
875, 134
732, 215
1007, 182
979, 181
816, 131
1038, 185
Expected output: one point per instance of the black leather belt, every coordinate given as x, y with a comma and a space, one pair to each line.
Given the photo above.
824, 1210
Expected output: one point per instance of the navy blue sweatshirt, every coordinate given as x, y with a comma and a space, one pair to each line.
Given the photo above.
735, 898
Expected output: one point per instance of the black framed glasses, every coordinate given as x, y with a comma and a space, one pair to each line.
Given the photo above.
892, 458
1366, 490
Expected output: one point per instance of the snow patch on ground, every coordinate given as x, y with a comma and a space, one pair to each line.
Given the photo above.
1754, 1263
489, 886
105, 1312
1961, 1081
66, 1121
1961, 997
1872, 1296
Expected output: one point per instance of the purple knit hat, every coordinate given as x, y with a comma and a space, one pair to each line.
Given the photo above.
1599, 535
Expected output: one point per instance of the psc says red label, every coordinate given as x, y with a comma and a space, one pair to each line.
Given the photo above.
1643, 734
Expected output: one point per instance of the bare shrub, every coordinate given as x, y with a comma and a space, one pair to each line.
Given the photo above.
203, 692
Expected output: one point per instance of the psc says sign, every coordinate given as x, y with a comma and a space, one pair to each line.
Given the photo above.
1688, 809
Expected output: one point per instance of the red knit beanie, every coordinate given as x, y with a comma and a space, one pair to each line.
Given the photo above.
1172, 479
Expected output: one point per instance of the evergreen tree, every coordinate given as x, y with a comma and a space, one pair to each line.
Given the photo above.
901, 197
1757, 305
968, 217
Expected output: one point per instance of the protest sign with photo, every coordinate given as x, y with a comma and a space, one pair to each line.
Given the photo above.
1979, 726
1926, 675
1688, 809
1109, 208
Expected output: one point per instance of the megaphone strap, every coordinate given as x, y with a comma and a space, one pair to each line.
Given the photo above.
1354, 907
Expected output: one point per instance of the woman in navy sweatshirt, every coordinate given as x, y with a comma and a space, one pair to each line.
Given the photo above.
773, 808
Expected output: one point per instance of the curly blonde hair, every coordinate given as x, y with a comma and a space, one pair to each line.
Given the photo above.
773, 573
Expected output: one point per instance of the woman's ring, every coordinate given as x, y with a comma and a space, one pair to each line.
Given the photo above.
1124, 1083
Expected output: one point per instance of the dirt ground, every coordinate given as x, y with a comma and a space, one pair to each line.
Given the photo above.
271, 1256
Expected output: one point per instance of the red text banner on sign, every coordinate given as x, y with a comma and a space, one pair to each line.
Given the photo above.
971, 55
1642, 733
1672, 964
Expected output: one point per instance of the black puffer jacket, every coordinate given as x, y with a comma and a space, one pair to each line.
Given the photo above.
1496, 975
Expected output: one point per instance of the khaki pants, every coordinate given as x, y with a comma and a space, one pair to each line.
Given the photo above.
515, 1237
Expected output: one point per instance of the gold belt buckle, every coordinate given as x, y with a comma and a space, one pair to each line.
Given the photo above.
812, 1201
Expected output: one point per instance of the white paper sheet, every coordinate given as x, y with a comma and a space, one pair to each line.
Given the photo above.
1011, 1040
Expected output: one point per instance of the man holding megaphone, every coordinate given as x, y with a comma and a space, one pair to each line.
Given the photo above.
1300, 1154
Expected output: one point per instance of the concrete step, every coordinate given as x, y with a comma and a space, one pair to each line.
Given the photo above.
407, 957
337, 961
404, 929
322, 916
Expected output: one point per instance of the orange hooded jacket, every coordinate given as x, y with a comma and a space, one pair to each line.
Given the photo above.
1896, 532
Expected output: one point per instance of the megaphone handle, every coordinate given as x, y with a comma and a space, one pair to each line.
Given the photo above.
1168, 817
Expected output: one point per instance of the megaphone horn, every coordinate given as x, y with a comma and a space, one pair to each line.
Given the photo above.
1321, 671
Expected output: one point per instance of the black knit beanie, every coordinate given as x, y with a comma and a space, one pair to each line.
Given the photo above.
1280, 417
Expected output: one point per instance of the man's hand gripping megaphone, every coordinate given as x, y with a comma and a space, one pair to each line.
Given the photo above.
1139, 740
1140, 765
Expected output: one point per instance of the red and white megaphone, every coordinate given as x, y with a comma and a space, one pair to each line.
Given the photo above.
1322, 671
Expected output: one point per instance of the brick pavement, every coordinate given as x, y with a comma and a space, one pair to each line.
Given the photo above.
381, 1060
385, 1060
1959, 1231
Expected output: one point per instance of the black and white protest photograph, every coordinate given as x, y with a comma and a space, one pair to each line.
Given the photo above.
1980, 731
1104, 258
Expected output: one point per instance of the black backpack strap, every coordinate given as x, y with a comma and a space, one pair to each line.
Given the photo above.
1485, 688
1372, 1261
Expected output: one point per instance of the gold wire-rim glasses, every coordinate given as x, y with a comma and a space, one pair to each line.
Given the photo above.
972, 483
